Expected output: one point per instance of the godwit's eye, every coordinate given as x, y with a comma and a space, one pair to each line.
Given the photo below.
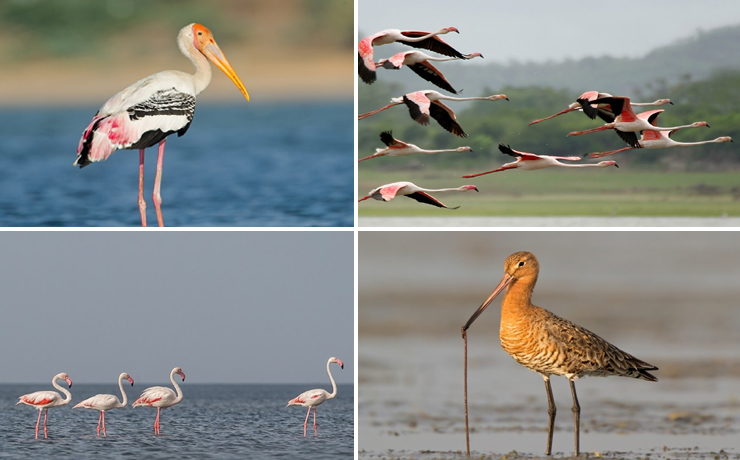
521, 264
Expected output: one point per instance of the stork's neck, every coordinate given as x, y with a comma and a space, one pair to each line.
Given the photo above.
202, 76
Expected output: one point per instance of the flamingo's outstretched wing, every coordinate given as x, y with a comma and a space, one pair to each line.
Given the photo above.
423, 197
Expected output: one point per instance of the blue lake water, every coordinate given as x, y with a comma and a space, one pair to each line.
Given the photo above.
245, 165
212, 421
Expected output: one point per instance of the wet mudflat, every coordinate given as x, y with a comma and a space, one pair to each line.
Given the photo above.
676, 307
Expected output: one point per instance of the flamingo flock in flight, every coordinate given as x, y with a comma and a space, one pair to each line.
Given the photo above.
145, 113
638, 130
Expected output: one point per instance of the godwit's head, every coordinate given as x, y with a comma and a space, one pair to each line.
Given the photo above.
336, 360
200, 37
604, 164
518, 266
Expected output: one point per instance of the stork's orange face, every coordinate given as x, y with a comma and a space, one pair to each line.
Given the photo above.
204, 42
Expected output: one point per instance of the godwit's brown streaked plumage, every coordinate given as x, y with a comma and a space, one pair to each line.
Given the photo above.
550, 345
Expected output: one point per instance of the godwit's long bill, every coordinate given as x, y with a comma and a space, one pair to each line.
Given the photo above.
151, 109
550, 345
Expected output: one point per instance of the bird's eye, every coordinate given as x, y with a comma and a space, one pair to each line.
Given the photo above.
521, 264
200, 33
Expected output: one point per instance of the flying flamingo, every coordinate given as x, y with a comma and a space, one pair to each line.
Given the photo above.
397, 148
151, 109
389, 191
106, 402
423, 104
530, 162
659, 139
419, 63
161, 397
627, 123
43, 400
603, 111
416, 39
550, 345
313, 398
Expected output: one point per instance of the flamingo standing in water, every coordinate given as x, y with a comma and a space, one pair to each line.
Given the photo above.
419, 63
652, 139
161, 397
153, 108
550, 345
530, 162
106, 402
397, 148
389, 191
313, 398
627, 123
43, 400
416, 39
603, 111
423, 104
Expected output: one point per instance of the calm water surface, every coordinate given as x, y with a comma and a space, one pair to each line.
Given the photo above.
212, 421
238, 165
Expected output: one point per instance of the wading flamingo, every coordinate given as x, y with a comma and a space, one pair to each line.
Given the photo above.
550, 345
603, 111
389, 191
530, 162
659, 139
106, 402
313, 398
397, 148
43, 400
627, 124
423, 104
151, 109
416, 39
161, 397
419, 63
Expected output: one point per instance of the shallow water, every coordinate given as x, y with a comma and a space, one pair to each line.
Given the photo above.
212, 421
247, 164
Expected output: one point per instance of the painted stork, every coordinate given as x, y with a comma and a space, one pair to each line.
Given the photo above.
423, 104
398, 148
416, 39
530, 162
151, 109
602, 111
389, 191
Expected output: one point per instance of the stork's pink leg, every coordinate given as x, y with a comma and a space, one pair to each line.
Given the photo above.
99, 419
38, 420
305, 422
46, 414
142, 203
156, 197
315, 432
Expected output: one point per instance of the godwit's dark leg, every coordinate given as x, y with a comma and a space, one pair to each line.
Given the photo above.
156, 197
576, 412
551, 411
142, 202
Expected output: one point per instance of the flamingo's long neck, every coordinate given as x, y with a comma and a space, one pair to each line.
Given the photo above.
177, 387
644, 104
67, 394
671, 128
333, 383
424, 37
123, 394
713, 141
584, 165
437, 151
457, 189
202, 76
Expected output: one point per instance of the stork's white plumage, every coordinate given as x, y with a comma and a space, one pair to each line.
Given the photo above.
153, 108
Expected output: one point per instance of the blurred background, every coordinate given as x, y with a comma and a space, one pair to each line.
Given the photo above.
669, 298
544, 55
62, 60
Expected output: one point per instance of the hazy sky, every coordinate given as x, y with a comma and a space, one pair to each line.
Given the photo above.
241, 307
538, 30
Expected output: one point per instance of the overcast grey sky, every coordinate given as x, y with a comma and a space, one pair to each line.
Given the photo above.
538, 30
234, 307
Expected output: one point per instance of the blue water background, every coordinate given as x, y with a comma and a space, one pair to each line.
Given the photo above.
242, 165
212, 421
